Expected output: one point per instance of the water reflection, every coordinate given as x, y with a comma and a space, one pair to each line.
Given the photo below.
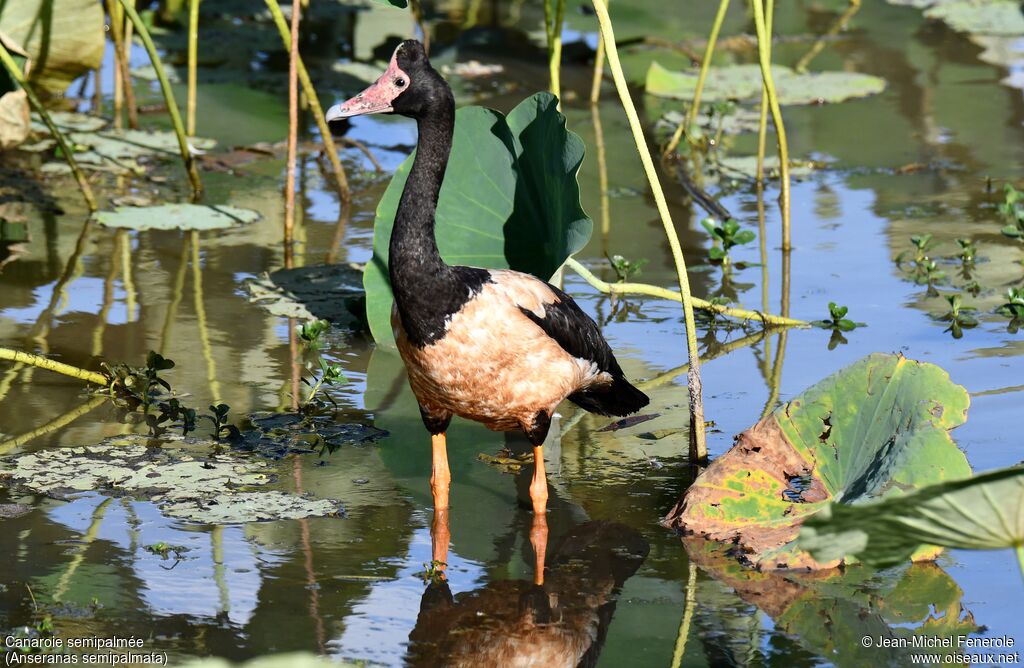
560, 617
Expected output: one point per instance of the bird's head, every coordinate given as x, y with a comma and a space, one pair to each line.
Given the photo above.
409, 86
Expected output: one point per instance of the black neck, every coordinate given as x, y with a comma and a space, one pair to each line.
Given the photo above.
413, 244
427, 290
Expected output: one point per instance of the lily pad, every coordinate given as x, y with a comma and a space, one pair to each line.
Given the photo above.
743, 82
177, 217
63, 38
1002, 17
185, 481
329, 292
510, 199
877, 429
985, 512
70, 121
746, 166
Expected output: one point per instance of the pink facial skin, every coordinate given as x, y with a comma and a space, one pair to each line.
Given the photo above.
377, 98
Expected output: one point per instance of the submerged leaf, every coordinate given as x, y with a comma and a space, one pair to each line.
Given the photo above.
876, 429
743, 82
177, 217
510, 199
985, 512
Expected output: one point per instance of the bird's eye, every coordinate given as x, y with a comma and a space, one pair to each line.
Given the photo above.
399, 82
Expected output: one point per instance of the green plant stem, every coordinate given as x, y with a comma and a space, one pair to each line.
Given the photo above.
52, 365
698, 438
764, 38
684, 625
762, 123
172, 105
816, 48
686, 126
595, 84
293, 134
200, 308
53, 425
1020, 558
314, 103
554, 10
193, 56
19, 77
766, 319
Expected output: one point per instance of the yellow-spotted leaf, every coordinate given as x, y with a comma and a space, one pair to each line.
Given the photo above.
877, 429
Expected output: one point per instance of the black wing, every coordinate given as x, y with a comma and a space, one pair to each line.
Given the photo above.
577, 334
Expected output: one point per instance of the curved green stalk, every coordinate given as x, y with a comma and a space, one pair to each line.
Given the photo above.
19, 77
766, 319
698, 438
709, 51
204, 332
53, 425
172, 105
816, 48
764, 56
684, 625
193, 57
314, 103
87, 539
762, 123
554, 11
52, 365
595, 84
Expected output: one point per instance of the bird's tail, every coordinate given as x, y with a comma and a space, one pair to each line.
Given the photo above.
618, 399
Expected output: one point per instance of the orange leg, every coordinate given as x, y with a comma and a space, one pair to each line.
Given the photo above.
539, 529
539, 484
440, 537
539, 541
440, 476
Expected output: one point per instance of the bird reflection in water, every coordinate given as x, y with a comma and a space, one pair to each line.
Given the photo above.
560, 618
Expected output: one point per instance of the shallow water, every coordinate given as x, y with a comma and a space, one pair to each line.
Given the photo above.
352, 587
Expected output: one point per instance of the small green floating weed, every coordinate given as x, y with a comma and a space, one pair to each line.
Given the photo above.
959, 316
838, 323
219, 418
312, 334
1012, 209
164, 551
725, 237
626, 269
968, 251
1013, 308
837, 319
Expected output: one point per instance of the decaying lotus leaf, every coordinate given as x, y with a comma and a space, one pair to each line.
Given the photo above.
878, 428
184, 478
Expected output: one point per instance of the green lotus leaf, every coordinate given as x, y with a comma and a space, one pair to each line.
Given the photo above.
509, 199
877, 429
743, 82
177, 217
985, 512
